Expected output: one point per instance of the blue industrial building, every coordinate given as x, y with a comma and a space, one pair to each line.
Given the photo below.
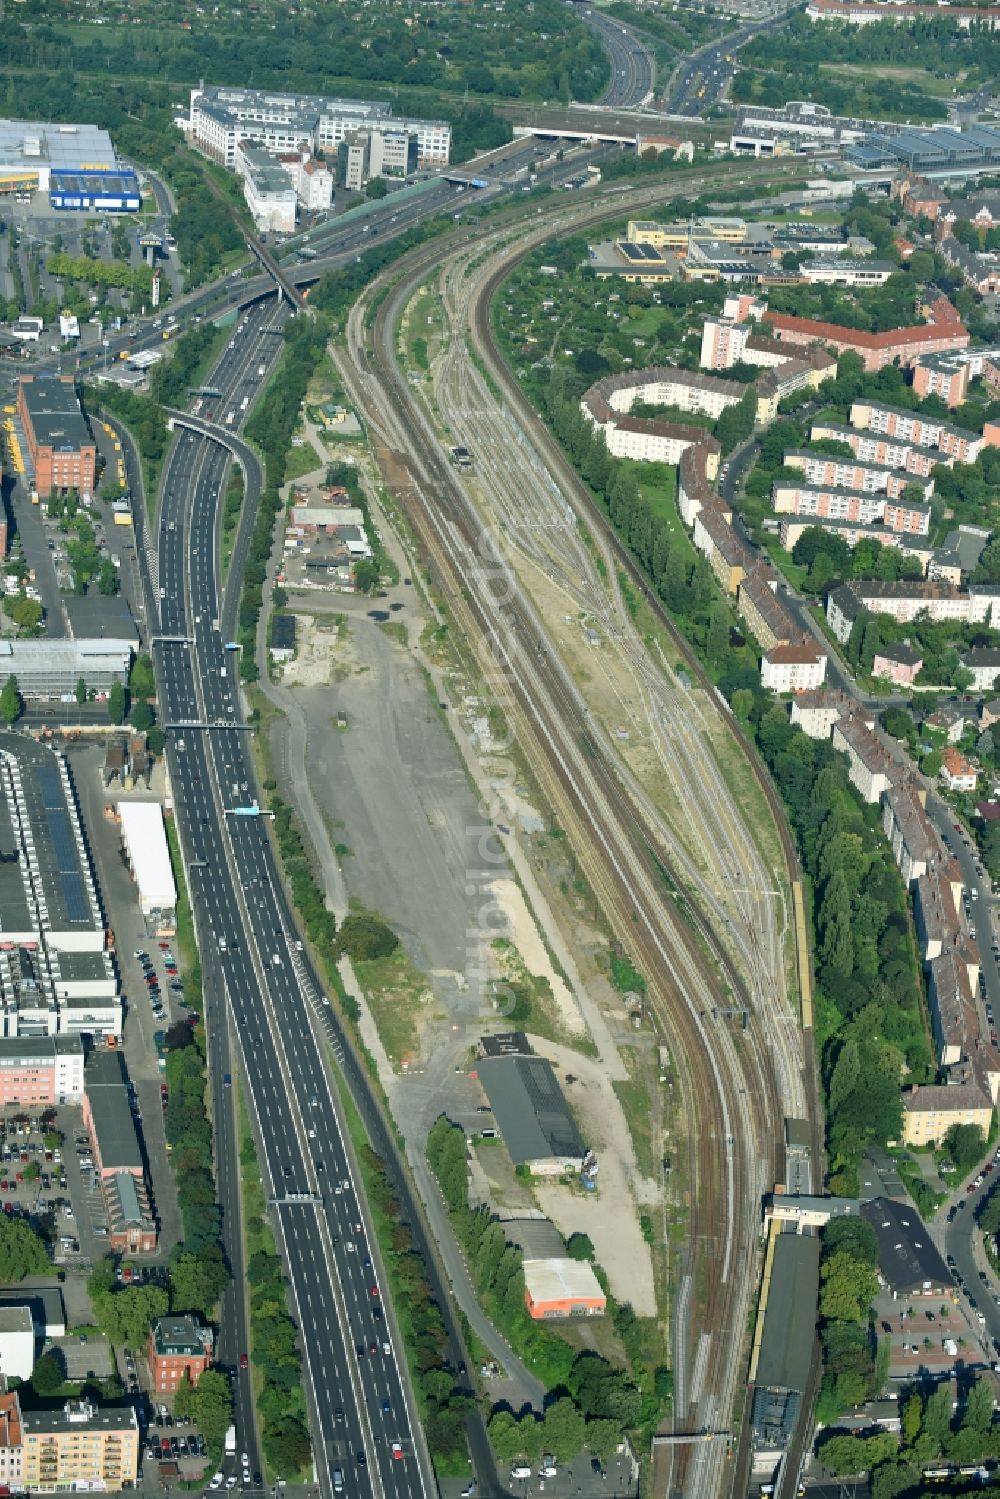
114, 191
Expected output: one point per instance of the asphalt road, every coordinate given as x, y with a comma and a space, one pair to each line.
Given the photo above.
701, 79
632, 66
359, 1391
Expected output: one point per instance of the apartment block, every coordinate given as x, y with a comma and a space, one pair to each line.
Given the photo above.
856, 473
912, 836
791, 528
793, 668
81, 1446
816, 712
606, 404
826, 502
763, 613
930, 1111
900, 345
714, 537
940, 375
984, 664
949, 997
870, 769
873, 447
921, 430
935, 906
897, 663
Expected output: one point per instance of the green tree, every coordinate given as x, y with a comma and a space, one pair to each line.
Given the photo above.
505, 1437
848, 1288
376, 187
22, 1252
212, 1406
563, 1430
937, 1418
142, 682
912, 1418
143, 717
367, 575
965, 1144
126, 1316
978, 1413
107, 578
197, 1281
287, 1446
116, 703
47, 1377
742, 703
26, 613
580, 1246
81, 690
364, 936
603, 1437
898, 723
11, 702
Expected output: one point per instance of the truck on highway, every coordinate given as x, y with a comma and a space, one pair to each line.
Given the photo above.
231, 1440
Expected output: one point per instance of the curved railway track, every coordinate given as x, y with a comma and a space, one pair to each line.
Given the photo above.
729, 1084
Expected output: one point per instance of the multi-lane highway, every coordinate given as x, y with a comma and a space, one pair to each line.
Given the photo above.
366, 1438
633, 70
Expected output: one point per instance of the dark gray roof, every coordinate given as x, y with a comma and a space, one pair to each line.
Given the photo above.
507, 1044
55, 413
109, 1103
283, 631
790, 1315
980, 655
905, 654
93, 616
81, 1414
531, 1113
847, 601
907, 1258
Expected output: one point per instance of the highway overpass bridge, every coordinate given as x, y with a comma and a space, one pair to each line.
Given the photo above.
593, 122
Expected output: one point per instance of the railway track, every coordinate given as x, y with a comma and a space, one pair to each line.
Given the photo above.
729, 1083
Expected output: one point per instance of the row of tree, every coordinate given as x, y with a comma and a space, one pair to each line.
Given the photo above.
271, 427
867, 984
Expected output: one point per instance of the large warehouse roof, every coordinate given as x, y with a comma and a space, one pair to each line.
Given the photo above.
146, 844
66, 148
531, 1113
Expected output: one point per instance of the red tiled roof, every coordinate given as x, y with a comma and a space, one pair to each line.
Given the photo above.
836, 333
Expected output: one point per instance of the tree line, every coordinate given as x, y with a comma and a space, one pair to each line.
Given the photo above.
868, 985
271, 427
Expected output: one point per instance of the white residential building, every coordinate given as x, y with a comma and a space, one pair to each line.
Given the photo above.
793, 668
218, 118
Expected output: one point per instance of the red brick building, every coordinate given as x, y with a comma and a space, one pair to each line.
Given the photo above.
178, 1346
61, 450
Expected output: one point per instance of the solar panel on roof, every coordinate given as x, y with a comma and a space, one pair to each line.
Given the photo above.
63, 844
